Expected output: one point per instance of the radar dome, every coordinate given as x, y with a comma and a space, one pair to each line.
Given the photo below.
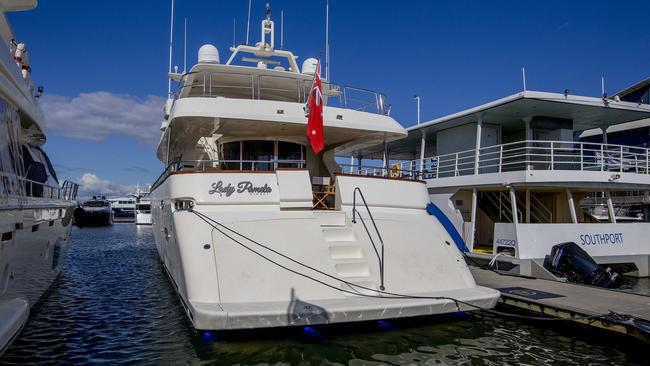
208, 54
309, 66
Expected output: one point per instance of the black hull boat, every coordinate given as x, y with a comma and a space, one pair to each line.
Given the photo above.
92, 213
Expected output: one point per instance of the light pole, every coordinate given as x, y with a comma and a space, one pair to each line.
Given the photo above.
417, 99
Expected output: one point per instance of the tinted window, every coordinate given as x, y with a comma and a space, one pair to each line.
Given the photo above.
261, 151
231, 152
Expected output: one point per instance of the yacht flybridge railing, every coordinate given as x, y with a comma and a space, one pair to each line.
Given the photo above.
281, 88
536, 155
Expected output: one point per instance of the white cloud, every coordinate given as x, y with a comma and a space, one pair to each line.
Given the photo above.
92, 185
94, 116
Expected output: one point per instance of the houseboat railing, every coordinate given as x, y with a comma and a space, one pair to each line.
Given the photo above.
536, 155
276, 87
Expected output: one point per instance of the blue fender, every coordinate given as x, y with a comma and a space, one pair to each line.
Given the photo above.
433, 210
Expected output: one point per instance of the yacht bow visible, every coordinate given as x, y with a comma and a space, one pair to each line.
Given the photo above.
255, 230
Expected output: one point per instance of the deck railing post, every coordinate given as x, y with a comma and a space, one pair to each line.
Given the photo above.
552, 157
602, 157
500, 158
456, 165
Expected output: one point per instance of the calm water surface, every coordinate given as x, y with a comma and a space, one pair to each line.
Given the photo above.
113, 304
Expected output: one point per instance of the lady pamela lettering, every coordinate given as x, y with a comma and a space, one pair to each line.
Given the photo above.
246, 186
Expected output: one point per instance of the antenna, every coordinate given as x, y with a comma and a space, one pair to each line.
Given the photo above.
233, 32
602, 87
185, 48
327, 40
281, 28
171, 41
248, 23
523, 76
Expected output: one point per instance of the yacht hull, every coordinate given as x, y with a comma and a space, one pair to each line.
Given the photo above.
274, 267
32, 252
92, 218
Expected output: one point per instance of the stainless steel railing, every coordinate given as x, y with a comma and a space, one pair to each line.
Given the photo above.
14, 186
275, 87
536, 155
216, 165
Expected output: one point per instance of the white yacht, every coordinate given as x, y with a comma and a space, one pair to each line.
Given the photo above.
143, 210
510, 175
35, 210
123, 208
255, 230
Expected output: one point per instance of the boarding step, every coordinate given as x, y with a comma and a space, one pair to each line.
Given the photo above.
352, 269
340, 251
331, 218
339, 234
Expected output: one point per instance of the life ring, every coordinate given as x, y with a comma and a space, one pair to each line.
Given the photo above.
395, 171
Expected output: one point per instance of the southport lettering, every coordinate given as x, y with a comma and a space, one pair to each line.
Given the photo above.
600, 239
242, 187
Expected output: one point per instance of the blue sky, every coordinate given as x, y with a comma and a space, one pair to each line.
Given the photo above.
103, 63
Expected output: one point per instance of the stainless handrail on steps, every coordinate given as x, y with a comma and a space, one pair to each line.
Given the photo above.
380, 258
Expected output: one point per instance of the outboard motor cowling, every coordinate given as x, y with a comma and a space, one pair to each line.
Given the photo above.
570, 261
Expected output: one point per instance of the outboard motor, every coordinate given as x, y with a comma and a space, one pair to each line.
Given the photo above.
570, 261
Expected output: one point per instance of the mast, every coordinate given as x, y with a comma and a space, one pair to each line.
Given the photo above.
171, 41
327, 40
248, 23
185, 48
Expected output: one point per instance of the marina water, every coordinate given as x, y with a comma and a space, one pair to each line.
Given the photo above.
113, 304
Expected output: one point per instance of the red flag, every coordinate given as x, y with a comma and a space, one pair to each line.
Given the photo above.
315, 121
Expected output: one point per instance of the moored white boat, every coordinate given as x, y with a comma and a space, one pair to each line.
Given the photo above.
256, 230
143, 210
35, 210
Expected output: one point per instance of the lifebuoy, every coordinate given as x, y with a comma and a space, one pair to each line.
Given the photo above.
395, 171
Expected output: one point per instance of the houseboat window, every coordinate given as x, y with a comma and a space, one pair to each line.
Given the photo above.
290, 151
231, 151
261, 151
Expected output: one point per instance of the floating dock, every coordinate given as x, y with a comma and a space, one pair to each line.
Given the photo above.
612, 310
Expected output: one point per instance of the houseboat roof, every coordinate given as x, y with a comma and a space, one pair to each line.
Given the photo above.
585, 112
634, 87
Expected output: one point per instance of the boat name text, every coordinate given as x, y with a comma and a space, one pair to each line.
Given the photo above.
606, 238
246, 186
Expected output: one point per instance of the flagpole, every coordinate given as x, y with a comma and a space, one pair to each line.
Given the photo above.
313, 81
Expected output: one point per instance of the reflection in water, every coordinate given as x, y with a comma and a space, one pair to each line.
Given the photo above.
113, 304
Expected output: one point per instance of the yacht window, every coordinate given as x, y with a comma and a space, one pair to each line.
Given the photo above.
50, 168
35, 173
231, 152
259, 151
95, 204
289, 151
